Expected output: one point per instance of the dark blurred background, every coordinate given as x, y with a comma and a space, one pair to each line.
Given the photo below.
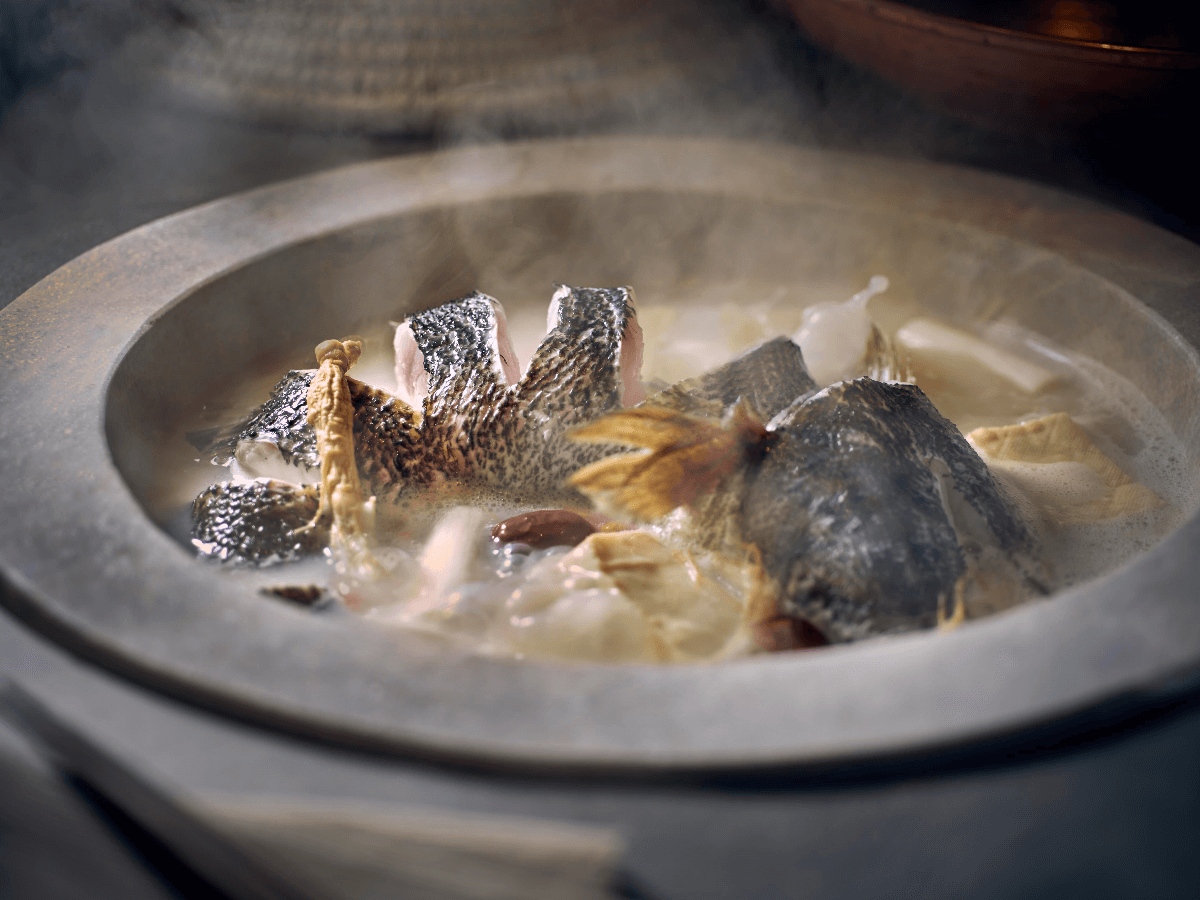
113, 112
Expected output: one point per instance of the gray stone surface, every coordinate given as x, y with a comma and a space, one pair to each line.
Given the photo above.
1117, 816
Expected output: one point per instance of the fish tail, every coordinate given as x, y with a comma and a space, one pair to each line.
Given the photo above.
683, 458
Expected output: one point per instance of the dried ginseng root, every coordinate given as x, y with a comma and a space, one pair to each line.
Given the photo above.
331, 415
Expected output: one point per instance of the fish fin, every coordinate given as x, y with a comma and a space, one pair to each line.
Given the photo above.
685, 458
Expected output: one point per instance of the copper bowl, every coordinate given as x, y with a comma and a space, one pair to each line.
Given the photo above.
1058, 69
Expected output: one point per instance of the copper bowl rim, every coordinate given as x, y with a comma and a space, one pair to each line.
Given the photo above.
958, 29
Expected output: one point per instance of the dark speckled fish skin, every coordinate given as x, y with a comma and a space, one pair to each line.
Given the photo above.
460, 355
257, 521
241, 522
387, 442
280, 420
521, 444
849, 516
386, 438
770, 378
458, 343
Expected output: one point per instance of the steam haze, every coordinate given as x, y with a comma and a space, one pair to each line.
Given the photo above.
115, 112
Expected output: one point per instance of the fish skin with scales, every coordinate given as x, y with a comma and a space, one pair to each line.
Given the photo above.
574, 376
771, 377
851, 518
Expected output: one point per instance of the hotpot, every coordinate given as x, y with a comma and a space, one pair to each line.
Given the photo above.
112, 355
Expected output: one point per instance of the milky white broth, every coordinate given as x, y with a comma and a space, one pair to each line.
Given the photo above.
689, 335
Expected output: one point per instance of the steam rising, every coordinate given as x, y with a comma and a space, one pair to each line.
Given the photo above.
114, 112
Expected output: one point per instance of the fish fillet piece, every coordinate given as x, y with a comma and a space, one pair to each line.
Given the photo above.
386, 439
770, 378
453, 348
281, 422
1056, 463
384, 430
587, 365
870, 511
468, 363
592, 350
257, 521
387, 452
